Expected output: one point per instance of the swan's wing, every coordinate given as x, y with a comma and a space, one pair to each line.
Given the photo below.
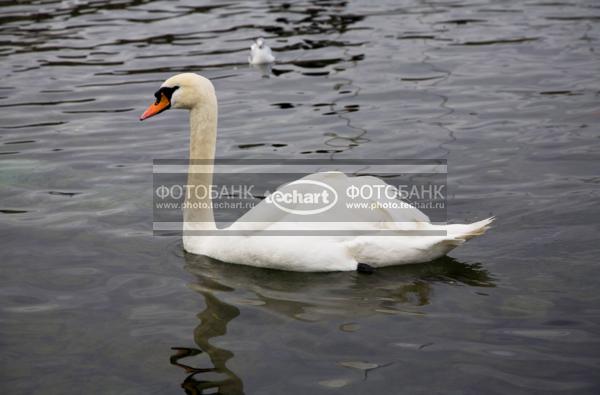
374, 213
380, 207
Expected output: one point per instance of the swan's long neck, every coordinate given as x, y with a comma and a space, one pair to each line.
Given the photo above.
198, 213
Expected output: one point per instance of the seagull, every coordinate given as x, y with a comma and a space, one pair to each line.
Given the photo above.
260, 53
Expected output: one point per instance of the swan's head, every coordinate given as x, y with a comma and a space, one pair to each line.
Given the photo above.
260, 43
186, 90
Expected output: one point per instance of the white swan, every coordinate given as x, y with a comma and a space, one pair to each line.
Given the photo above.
260, 53
263, 247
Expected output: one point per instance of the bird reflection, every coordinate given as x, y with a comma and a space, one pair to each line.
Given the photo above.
303, 297
265, 69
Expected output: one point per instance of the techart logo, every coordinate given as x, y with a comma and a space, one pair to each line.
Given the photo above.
304, 197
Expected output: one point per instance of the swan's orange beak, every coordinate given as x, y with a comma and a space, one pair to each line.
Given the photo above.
157, 107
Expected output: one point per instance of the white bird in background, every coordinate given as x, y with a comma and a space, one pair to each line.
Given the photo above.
319, 252
260, 53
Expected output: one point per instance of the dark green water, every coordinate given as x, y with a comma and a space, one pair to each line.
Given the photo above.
507, 92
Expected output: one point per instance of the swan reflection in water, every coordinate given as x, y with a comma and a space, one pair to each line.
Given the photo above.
306, 297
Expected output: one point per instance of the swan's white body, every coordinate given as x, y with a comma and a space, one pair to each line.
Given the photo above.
260, 53
264, 237
341, 247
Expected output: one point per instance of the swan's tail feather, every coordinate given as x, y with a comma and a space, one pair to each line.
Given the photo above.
468, 231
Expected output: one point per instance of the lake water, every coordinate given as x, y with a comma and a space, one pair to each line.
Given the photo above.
508, 92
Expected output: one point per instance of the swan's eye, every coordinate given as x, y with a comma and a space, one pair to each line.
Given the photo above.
165, 90
157, 95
